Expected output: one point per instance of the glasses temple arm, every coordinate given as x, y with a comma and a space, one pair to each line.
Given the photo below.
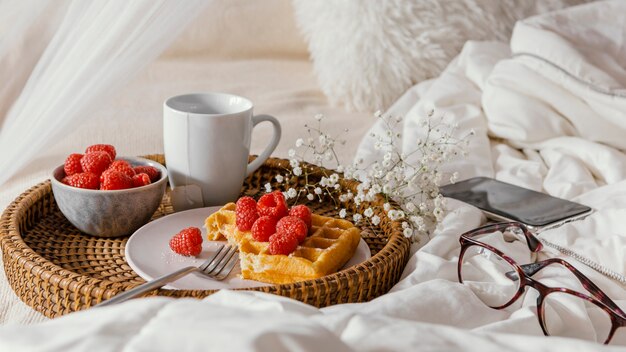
590, 286
533, 268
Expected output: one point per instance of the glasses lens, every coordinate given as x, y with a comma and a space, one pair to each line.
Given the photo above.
489, 276
568, 315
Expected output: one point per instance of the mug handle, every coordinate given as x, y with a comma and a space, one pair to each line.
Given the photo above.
256, 163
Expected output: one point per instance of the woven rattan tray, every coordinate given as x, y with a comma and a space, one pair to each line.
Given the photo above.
56, 269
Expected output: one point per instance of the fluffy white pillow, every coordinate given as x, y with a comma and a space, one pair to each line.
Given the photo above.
366, 53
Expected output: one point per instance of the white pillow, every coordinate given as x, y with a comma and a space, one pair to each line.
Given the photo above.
366, 53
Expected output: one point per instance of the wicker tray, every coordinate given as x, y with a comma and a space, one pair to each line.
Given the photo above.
56, 269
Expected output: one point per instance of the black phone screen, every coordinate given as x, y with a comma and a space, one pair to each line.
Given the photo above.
513, 202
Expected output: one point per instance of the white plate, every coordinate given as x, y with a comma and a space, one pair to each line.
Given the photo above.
149, 255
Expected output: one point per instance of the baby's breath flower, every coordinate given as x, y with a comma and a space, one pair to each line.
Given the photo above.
438, 212
409, 177
375, 220
454, 177
291, 193
268, 188
345, 197
416, 220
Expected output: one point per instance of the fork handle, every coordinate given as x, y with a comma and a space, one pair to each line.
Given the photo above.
148, 286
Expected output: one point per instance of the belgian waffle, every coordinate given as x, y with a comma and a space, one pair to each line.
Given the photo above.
330, 244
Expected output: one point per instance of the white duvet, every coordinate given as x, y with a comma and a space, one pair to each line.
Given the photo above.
550, 114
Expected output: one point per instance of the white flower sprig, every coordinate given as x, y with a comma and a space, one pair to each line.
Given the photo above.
321, 147
409, 179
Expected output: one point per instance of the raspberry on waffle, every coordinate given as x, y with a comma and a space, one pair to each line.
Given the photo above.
330, 244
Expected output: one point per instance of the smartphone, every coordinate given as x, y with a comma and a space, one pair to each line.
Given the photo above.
503, 201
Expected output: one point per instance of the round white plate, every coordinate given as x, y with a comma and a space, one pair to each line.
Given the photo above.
148, 253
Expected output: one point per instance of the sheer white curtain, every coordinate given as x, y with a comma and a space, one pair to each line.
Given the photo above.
95, 47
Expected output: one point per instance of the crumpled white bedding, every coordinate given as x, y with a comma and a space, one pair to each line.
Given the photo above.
549, 114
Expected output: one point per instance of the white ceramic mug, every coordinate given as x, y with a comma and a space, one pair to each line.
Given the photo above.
206, 137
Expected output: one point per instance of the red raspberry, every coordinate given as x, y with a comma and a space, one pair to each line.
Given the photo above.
85, 180
111, 180
187, 242
273, 204
245, 213
95, 162
122, 166
291, 225
263, 228
109, 149
72, 165
282, 243
152, 171
141, 180
303, 212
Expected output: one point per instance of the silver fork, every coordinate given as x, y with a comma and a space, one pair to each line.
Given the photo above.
217, 267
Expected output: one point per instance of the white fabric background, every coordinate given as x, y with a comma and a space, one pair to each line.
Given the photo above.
96, 47
366, 54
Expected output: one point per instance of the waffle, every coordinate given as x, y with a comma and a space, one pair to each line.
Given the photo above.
330, 244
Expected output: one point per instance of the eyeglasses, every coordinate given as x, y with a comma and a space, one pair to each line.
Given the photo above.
499, 281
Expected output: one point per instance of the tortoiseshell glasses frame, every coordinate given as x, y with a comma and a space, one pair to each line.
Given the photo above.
524, 273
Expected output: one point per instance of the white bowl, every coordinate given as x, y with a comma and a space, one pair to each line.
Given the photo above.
109, 213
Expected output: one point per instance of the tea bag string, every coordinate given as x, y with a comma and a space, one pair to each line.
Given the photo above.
187, 149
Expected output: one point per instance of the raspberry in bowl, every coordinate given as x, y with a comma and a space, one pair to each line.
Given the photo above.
112, 203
